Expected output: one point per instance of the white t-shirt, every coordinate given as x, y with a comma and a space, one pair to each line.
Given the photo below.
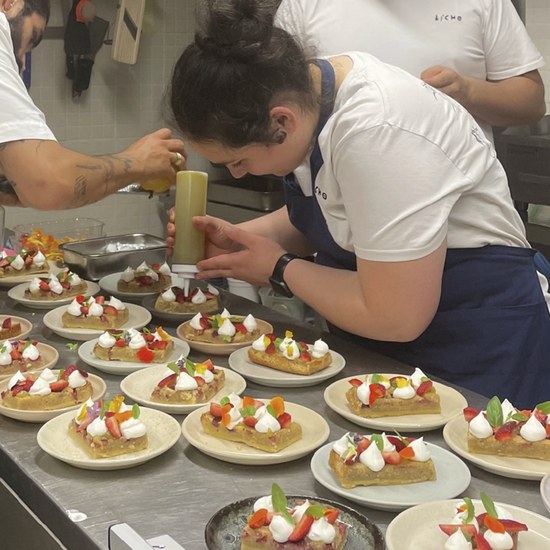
483, 39
405, 166
20, 118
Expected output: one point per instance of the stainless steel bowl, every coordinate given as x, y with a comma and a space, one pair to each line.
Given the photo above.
95, 258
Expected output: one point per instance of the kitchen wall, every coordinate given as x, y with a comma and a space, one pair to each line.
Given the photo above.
123, 102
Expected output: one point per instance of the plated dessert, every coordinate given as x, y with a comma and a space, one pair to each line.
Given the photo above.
95, 313
55, 287
47, 391
490, 530
185, 382
307, 525
360, 460
134, 345
506, 431
174, 300
264, 426
108, 428
145, 278
286, 354
9, 328
377, 395
26, 262
20, 355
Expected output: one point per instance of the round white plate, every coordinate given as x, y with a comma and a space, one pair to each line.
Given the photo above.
315, 432
85, 352
452, 403
48, 353
17, 293
266, 376
455, 434
453, 477
138, 318
109, 285
418, 527
221, 348
26, 327
18, 279
98, 391
163, 432
139, 385
545, 491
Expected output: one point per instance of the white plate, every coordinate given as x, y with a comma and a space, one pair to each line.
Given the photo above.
138, 318
545, 491
315, 432
18, 279
26, 327
452, 403
85, 352
266, 376
48, 353
163, 432
109, 284
98, 391
221, 348
453, 477
418, 527
17, 293
455, 434
139, 385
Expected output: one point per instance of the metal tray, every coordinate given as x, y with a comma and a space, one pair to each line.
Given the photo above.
95, 258
262, 194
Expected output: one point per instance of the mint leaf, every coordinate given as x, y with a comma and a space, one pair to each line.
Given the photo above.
471, 510
71, 346
190, 367
271, 411
173, 367
377, 438
278, 498
494, 412
519, 417
316, 511
375, 379
135, 411
544, 407
224, 401
489, 505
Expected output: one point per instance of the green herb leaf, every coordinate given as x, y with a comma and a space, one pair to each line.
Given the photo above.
145, 330
375, 378
227, 339
135, 411
316, 511
224, 401
489, 505
519, 417
271, 411
471, 510
173, 367
494, 412
104, 409
377, 438
72, 346
544, 407
247, 411
278, 498
190, 367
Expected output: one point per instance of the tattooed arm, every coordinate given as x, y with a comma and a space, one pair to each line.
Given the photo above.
47, 176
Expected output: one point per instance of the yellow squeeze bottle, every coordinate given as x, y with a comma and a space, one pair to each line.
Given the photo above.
159, 185
191, 192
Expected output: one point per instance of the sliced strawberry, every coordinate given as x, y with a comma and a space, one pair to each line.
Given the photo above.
540, 416
391, 457
331, 514
424, 387
506, 431
84, 310
218, 410
239, 327
15, 354
284, 420
113, 426
4, 262
470, 413
100, 300
169, 381
149, 337
363, 445
110, 310
258, 519
209, 364
355, 382
65, 284
44, 286
397, 442
6, 323
450, 528
305, 356
512, 526
481, 543
376, 391
24, 385
204, 323
250, 421
120, 343
158, 344
28, 260
58, 385
85, 423
199, 380
68, 371
81, 299
301, 529
270, 349
145, 355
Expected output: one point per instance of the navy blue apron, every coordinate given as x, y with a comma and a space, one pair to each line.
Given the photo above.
491, 332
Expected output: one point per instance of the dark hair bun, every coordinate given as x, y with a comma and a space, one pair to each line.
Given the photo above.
235, 28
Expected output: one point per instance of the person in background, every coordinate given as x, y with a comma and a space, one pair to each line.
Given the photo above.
476, 51
39, 171
420, 253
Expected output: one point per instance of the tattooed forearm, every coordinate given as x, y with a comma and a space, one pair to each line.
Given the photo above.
80, 190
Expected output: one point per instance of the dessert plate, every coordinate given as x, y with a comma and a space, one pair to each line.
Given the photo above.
138, 318
452, 403
163, 432
86, 353
98, 391
545, 491
149, 303
26, 327
109, 284
48, 353
453, 477
267, 376
315, 432
18, 279
418, 527
455, 434
221, 348
17, 293
223, 530
139, 385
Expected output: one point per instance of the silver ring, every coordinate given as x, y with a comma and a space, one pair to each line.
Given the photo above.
178, 161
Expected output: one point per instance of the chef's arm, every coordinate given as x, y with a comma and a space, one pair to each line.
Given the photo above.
47, 176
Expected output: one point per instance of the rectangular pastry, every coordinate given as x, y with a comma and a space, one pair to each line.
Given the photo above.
27, 262
95, 313
288, 355
174, 300
55, 287
20, 355
145, 278
221, 328
9, 328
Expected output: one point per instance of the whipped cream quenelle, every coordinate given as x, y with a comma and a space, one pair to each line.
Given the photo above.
18, 263
457, 541
106, 340
199, 297
41, 386
168, 295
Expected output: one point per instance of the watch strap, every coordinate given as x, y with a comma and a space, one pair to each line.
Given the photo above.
277, 278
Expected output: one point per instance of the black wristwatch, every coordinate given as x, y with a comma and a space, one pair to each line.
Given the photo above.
277, 277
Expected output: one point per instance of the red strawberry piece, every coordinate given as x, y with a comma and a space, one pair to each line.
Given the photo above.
43, 285
424, 387
481, 543
284, 419
24, 385
270, 349
169, 381
218, 410
4, 262
144, 280
258, 519
6, 323
100, 300
84, 310
58, 385
376, 391
180, 297
65, 284
239, 327
355, 382
450, 528
155, 267
506, 431
302, 529
305, 356
250, 421
540, 416
120, 343
512, 526
470, 413
331, 514
392, 457
272, 336
199, 380
547, 430
204, 323
15, 354
258, 404
69, 370
110, 310
113, 426
145, 355
85, 423
363, 445
158, 344
28, 260
81, 298
397, 442
149, 337
209, 364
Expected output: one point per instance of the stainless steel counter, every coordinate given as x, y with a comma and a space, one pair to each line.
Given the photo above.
177, 492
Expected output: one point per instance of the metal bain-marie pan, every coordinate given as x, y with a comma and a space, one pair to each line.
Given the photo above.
95, 258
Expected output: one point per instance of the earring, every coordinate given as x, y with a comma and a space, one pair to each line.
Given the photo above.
280, 137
